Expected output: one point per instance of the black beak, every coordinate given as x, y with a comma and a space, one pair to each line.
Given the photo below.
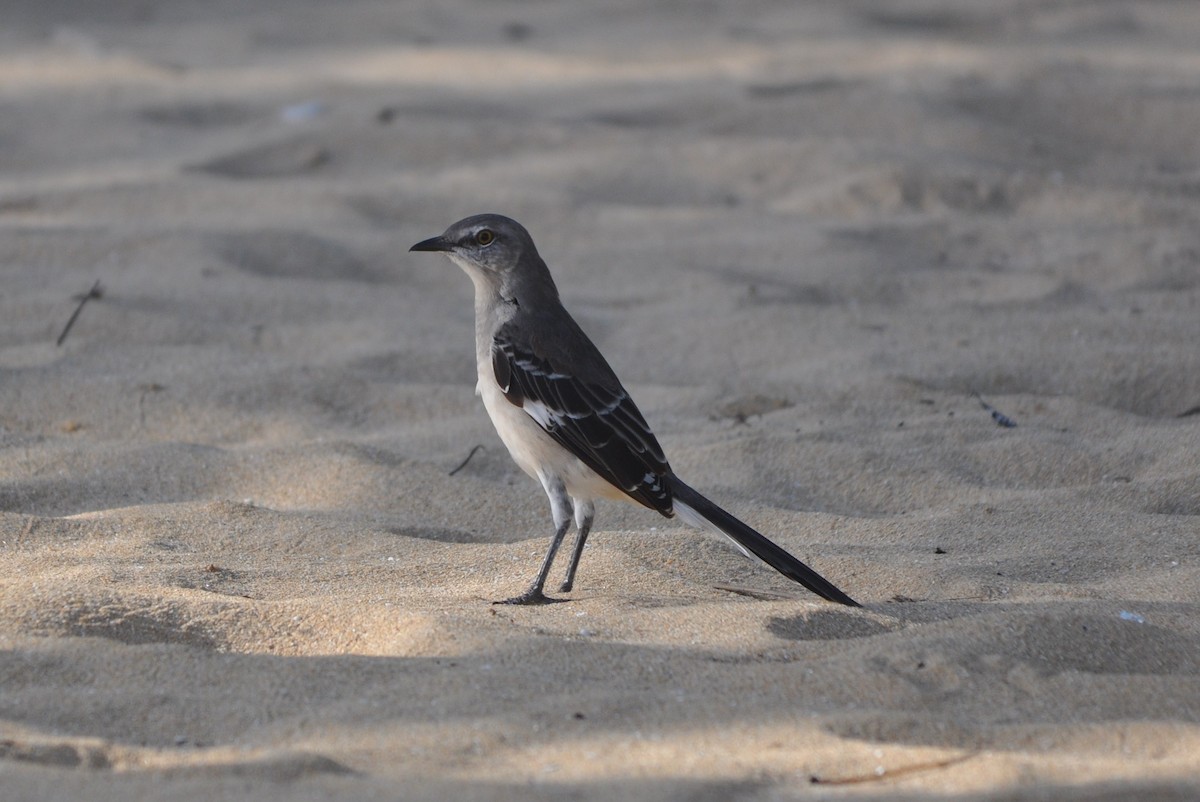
431, 244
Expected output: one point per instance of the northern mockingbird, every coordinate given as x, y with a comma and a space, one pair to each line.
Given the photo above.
563, 413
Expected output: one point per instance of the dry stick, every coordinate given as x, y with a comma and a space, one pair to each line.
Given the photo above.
463, 464
999, 417
94, 292
753, 593
889, 774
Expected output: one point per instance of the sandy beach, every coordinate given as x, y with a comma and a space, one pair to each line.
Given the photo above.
830, 248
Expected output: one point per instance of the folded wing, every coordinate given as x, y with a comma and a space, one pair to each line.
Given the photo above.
595, 420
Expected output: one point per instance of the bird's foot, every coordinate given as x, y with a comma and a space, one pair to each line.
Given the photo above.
566, 586
531, 596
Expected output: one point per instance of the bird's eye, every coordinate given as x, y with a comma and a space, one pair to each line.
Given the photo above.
485, 237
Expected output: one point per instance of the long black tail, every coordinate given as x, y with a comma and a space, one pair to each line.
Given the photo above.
697, 510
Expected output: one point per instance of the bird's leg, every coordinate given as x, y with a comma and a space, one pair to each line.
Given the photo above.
533, 594
585, 512
560, 506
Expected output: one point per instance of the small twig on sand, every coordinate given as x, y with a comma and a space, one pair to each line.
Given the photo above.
998, 416
754, 593
887, 774
95, 292
463, 464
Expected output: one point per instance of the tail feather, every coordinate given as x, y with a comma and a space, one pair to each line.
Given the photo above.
699, 511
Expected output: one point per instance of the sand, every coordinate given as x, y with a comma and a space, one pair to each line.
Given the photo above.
807, 236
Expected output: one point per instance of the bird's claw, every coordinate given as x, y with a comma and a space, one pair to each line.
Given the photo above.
531, 596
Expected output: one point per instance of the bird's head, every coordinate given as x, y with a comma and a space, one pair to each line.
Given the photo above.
488, 246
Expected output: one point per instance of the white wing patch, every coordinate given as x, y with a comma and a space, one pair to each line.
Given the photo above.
545, 415
541, 413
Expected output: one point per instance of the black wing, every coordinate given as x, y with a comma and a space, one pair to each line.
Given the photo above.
597, 422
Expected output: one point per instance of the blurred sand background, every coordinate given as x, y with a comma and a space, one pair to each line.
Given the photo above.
805, 235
